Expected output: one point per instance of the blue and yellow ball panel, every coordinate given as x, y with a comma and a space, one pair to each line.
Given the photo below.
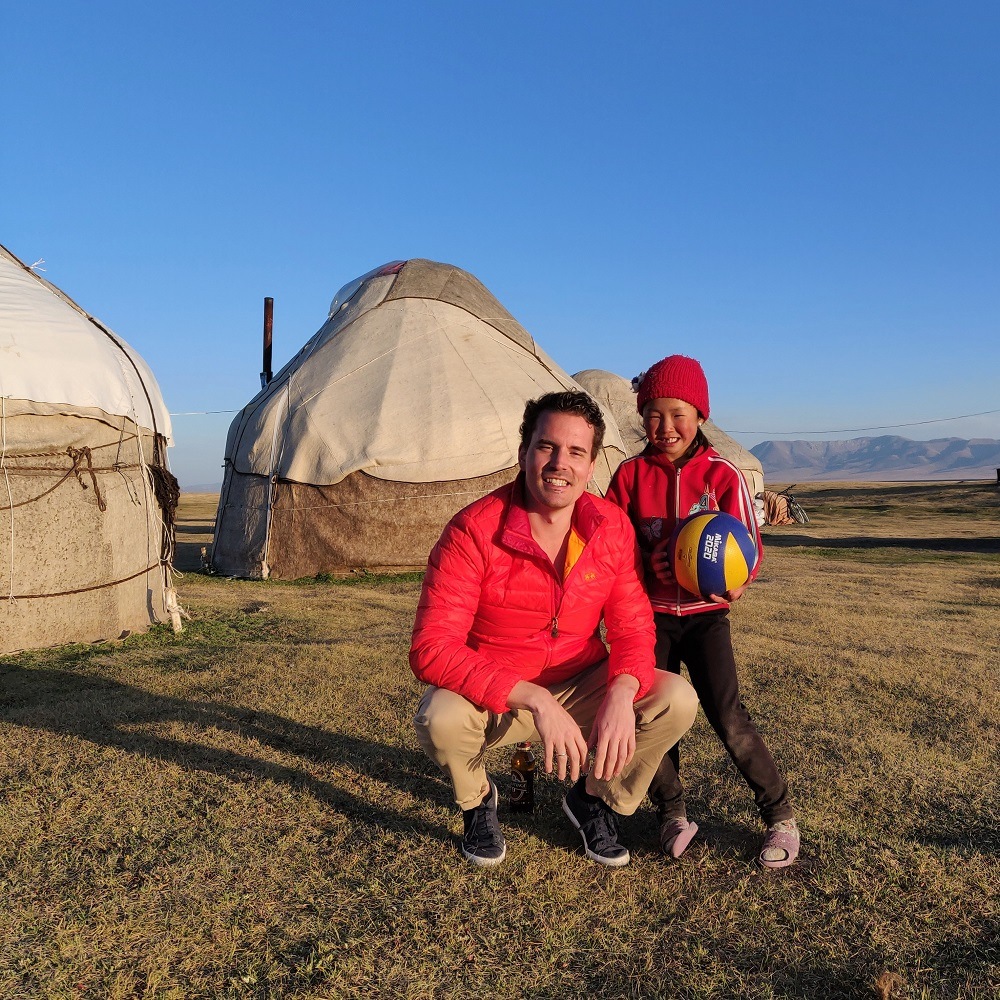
713, 552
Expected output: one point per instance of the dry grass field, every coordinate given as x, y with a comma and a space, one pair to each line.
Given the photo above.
241, 810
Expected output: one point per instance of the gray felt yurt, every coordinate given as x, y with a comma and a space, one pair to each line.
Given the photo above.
86, 499
404, 407
615, 393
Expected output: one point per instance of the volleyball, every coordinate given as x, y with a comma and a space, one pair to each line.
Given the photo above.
713, 552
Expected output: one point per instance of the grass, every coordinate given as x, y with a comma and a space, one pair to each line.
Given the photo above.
241, 810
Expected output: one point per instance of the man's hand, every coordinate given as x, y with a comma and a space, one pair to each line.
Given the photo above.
561, 736
613, 735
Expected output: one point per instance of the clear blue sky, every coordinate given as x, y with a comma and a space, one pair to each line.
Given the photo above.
805, 196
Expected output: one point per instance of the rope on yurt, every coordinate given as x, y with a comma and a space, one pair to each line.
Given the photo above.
85, 590
75, 455
371, 503
78, 453
119, 465
82, 464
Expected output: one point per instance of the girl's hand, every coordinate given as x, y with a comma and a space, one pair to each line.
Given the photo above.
730, 595
660, 561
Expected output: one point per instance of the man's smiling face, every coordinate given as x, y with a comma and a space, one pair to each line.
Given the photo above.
558, 461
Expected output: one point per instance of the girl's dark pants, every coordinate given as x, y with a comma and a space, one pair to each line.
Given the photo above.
703, 643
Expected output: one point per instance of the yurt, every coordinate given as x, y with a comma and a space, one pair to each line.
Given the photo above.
404, 407
86, 498
615, 393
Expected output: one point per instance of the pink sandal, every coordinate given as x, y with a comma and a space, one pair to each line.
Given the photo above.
780, 846
675, 835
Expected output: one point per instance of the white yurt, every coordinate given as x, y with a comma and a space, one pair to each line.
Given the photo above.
404, 407
615, 393
86, 498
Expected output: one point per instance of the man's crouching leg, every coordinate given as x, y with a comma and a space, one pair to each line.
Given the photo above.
452, 732
593, 806
662, 716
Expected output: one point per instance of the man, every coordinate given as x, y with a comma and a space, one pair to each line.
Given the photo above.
507, 634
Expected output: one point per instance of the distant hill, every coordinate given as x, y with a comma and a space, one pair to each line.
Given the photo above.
888, 458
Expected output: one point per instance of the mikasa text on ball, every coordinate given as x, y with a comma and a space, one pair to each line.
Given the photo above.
713, 553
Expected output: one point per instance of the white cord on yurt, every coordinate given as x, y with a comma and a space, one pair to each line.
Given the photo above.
265, 569
170, 602
10, 496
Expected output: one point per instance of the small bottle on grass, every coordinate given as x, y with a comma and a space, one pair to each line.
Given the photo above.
522, 779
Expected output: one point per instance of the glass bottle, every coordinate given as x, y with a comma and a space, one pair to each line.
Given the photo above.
522, 778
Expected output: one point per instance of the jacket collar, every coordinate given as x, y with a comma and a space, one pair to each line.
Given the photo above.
516, 531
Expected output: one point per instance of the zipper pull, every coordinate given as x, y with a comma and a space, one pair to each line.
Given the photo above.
555, 628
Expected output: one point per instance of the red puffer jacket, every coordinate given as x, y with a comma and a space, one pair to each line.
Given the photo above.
493, 611
656, 494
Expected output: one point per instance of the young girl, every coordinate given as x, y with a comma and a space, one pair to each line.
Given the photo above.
680, 473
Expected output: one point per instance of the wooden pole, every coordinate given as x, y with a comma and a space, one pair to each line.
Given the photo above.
265, 375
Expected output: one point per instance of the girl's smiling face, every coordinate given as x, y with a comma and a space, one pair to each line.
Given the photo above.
671, 425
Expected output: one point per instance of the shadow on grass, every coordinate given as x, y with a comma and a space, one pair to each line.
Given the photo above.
925, 492
194, 528
982, 544
960, 831
104, 712
975, 956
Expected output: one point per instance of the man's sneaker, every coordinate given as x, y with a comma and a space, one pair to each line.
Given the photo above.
597, 825
676, 833
483, 843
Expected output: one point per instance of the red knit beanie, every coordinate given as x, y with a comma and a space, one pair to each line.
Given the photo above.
676, 377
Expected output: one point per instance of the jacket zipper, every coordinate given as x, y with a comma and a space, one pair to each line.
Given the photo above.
557, 596
556, 604
677, 517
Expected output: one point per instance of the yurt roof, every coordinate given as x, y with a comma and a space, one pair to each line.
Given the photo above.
418, 375
56, 355
615, 394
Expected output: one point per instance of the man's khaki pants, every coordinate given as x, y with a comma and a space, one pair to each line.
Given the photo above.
456, 734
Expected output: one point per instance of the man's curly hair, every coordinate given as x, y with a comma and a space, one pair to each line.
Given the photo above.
564, 402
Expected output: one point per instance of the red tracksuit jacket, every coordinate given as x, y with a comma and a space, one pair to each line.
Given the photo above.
656, 495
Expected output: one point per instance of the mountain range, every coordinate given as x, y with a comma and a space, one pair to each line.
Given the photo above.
887, 458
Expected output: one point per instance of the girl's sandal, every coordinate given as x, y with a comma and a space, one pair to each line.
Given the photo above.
780, 846
675, 835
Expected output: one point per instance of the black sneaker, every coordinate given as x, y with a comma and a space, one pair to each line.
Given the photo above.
483, 843
597, 825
